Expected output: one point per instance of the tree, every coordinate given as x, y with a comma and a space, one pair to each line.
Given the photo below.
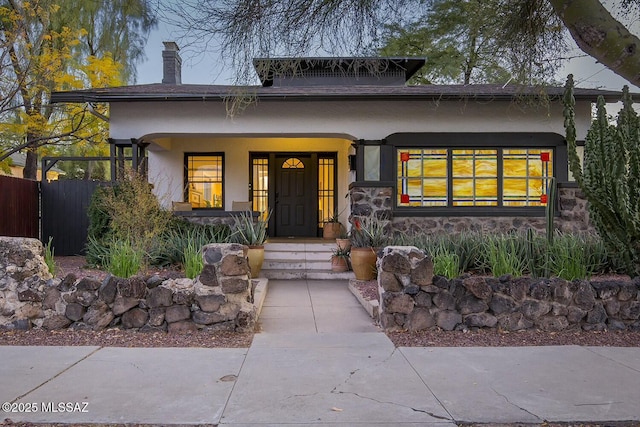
45, 48
249, 28
461, 41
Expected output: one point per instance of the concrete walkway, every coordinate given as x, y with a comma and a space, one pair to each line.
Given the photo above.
319, 360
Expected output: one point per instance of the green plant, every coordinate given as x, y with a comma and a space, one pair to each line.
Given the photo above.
49, 257
370, 231
192, 260
610, 175
445, 262
340, 252
505, 255
248, 230
567, 258
124, 259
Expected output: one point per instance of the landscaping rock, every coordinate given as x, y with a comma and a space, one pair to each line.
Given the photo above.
397, 303
389, 282
396, 263
210, 303
419, 319
204, 318
597, 314
56, 322
478, 287
182, 326
67, 283
502, 304
630, 310
585, 296
422, 273
553, 323
134, 318
423, 299
123, 304
108, 289
29, 296
470, 304
447, 320
156, 316
208, 276
98, 316
88, 284
51, 297
234, 265
514, 322
533, 309
133, 287
159, 297
74, 311
177, 313
480, 320
444, 301
234, 285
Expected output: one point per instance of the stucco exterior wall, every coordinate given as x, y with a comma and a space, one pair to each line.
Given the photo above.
166, 166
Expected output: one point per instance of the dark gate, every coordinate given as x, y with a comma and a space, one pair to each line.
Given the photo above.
19, 207
64, 214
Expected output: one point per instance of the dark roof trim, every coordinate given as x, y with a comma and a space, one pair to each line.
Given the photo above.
209, 93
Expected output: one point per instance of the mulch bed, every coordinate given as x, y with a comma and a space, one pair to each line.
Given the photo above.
126, 338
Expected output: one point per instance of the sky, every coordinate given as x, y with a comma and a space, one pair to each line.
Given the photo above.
207, 68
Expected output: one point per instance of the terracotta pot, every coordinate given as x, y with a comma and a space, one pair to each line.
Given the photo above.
339, 264
363, 263
331, 230
255, 255
344, 244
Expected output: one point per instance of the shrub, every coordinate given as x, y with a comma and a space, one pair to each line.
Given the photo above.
49, 257
445, 263
505, 254
192, 260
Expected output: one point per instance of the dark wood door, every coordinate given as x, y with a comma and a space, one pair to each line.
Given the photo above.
295, 197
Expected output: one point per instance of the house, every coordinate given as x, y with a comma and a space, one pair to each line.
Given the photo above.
433, 157
16, 167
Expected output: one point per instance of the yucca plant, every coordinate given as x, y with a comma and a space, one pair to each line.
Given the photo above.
250, 231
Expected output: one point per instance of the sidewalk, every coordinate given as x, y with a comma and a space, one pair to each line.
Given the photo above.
319, 360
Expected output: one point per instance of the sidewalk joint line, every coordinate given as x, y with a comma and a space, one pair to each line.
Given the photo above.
58, 374
514, 405
226, 403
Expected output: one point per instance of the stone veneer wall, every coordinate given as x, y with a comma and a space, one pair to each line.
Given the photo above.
219, 299
378, 201
412, 298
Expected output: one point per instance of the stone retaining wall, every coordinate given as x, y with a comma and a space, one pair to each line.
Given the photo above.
219, 299
378, 201
412, 298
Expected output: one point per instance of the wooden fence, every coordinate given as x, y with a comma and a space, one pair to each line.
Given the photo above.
19, 207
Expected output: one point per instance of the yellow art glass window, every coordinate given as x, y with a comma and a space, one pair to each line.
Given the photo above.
204, 180
475, 177
422, 177
525, 176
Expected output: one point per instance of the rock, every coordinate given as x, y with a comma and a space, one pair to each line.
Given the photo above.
447, 320
153, 329
212, 254
183, 290
51, 297
159, 297
630, 310
16, 325
395, 263
233, 265
229, 310
478, 287
177, 313
29, 295
480, 320
540, 291
108, 289
420, 319
154, 281
616, 325
514, 322
599, 327
209, 276
612, 307
502, 304
411, 289
246, 320
29, 310
575, 314
606, 290
74, 311
397, 303
84, 298
422, 272
561, 291
210, 303
423, 299
597, 314
533, 309
585, 296
441, 282
519, 289
204, 318
558, 309
627, 292
388, 322
122, 304
98, 316
55, 322
234, 285
133, 287
156, 316
470, 304
181, 326
88, 284
389, 282
228, 326
134, 318
444, 301
553, 323
67, 283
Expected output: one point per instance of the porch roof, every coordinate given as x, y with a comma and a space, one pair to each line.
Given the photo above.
216, 93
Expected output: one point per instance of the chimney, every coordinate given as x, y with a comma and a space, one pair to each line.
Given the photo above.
171, 64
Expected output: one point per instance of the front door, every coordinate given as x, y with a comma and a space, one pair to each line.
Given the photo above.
295, 196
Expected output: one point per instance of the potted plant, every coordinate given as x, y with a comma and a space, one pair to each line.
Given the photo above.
251, 232
332, 227
368, 235
343, 240
340, 259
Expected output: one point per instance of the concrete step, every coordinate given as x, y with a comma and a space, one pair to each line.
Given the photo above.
296, 264
306, 274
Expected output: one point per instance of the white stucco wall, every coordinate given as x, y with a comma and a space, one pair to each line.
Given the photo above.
166, 166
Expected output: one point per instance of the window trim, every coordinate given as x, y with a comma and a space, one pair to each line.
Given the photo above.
469, 140
185, 187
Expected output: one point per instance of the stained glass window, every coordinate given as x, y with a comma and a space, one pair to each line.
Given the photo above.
473, 177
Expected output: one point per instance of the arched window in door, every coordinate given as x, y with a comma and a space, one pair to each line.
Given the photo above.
292, 163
